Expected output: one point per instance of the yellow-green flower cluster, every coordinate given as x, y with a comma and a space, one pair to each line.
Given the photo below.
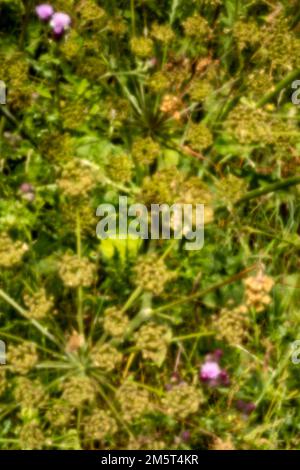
200, 90
11, 252
153, 340
31, 436
106, 357
38, 304
77, 390
145, 150
99, 425
198, 136
22, 358
232, 324
57, 147
90, 13
142, 46
246, 33
115, 322
162, 187
230, 189
120, 168
196, 27
75, 271
162, 33
134, 401
152, 275
77, 179
30, 393
59, 414
182, 400
73, 114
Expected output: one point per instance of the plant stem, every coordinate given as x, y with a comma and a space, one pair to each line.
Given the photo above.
79, 289
282, 84
23, 312
270, 188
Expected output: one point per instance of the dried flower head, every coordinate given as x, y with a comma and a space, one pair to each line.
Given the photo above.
258, 291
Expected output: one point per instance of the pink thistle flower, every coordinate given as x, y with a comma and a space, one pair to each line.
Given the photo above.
209, 371
59, 23
44, 11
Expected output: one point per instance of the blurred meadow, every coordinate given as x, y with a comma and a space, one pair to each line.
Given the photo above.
142, 344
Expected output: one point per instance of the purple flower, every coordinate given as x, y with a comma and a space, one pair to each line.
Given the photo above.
59, 23
210, 371
44, 11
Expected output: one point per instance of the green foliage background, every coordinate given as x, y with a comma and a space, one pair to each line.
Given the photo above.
162, 101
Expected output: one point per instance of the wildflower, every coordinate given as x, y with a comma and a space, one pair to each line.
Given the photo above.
75, 271
29, 393
11, 253
212, 374
78, 390
115, 322
59, 23
22, 358
151, 274
182, 400
162, 33
44, 11
199, 136
31, 436
258, 291
197, 27
152, 340
232, 324
145, 150
142, 47
38, 304
134, 401
59, 414
119, 168
106, 357
99, 425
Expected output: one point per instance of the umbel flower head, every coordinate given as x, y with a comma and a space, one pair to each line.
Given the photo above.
44, 11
